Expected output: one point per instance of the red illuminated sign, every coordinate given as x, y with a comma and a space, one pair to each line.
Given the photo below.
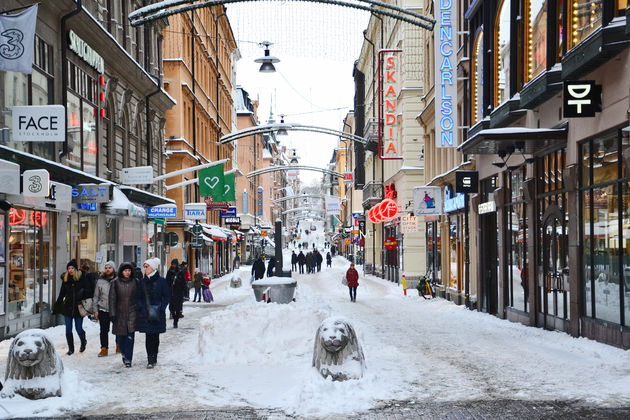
18, 217
391, 243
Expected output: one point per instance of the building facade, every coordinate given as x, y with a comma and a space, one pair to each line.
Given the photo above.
108, 77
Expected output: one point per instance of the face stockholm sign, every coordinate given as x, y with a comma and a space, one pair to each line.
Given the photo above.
389, 137
39, 123
446, 74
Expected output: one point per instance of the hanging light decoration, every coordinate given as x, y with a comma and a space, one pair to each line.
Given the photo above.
267, 60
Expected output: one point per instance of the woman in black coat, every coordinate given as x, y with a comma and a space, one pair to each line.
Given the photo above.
152, 298
74, 288
123, 310
179, 289
271, 267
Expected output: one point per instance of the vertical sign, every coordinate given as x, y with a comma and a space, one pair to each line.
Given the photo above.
260, 201
446, 74
389, 142
245, 202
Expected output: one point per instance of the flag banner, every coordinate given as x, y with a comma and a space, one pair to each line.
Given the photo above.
211, 182
228, 189
17, 40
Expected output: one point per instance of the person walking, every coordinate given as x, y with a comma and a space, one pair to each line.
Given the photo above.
171, 274
318, 260
352, 277
271, 267
301, 259
178, 290
188, 278
91, 277
328, 259
152, 298
74, 288
123, 306
101, 304
309, 262
294, 261
258, 269
197, 280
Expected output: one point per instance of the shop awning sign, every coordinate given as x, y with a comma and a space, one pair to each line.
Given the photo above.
137, 175
233, 220
582, 98
39, 123
195, 211
163, 211
36, 183
427, 201
92, 193
408, 224
9, 177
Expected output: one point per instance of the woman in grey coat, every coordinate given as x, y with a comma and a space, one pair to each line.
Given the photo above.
123, 310
101, 303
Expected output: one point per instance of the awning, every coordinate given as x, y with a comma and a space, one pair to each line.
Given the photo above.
531, 141
207, 239
144, 197
214, 232
120, 205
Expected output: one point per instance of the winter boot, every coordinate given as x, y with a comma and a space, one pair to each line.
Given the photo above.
83, 342
70, 340
103, 352
117, 348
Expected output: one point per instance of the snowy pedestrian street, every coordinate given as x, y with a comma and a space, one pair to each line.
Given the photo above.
236, 355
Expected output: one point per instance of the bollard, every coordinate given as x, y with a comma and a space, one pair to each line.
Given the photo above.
404, 284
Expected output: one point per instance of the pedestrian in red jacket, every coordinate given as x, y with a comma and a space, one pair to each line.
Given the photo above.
352, 277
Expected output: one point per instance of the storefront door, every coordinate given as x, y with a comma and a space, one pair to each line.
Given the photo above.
489, 263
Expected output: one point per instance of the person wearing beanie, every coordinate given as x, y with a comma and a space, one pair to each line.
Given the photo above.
179, 289
101, 304
123, 307
173, 273
152, 298
74, 289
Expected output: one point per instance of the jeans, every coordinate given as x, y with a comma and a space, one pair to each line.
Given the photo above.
301, 268
152, 346
125, 342
104, 321
293, 266
78, 324
353, 292
197, 293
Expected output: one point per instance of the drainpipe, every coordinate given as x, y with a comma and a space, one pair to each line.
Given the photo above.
64, 68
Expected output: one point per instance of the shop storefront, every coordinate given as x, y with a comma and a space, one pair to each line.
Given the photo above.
392, 255
487, 244
454, 219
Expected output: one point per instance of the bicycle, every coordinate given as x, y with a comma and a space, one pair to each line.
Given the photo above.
425, 288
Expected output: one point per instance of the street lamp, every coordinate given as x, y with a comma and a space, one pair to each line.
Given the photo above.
268, 60
282, 131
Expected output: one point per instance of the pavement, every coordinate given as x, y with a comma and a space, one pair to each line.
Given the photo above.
403, 410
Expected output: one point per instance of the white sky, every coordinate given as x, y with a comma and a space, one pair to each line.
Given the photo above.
317, 46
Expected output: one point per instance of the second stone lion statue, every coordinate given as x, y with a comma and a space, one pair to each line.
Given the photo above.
337, 352
33, 367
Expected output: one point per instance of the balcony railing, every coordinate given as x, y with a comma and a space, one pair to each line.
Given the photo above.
371, 134
372, 193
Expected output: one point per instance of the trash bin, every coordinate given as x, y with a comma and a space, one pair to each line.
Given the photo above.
281, 290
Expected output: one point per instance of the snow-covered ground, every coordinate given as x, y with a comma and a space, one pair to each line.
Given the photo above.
236, 352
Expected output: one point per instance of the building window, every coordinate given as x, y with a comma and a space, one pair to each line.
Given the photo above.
560, 32
605, 204
536, 37
502, 53
586, 16
477, 78
82, 146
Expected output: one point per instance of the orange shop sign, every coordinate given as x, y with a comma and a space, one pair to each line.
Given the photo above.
391, 243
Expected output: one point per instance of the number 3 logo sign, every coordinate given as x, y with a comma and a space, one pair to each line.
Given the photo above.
17, 38
13, 48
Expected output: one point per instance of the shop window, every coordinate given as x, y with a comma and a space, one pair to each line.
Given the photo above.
536, 37
502, 53
477, 78
517, 236
605, 203
82, 122
622, 5
585, 17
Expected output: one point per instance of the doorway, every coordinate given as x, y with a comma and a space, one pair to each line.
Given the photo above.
489, 263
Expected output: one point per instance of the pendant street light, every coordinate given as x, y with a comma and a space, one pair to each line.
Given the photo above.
268, 60
282, 131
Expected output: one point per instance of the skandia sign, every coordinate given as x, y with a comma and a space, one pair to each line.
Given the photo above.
446, 74
87, 53
389, 135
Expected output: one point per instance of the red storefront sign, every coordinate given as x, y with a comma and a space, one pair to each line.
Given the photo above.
391, 243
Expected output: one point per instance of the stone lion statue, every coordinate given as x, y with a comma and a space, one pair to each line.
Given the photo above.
33, 367
337, 352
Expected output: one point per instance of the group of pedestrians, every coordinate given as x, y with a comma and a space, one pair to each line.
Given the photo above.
258, 269
312, 260
129, 298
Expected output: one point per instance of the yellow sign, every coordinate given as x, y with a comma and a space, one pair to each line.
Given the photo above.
348, 241
263, 233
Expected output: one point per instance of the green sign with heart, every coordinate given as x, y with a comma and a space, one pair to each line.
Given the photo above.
229, 193
211, 183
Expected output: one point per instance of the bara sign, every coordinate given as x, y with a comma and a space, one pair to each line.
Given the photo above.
390, 70
195, 211
39, 123
446, 73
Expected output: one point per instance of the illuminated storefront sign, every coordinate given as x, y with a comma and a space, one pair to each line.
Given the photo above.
87, 53
390, 145
446, 74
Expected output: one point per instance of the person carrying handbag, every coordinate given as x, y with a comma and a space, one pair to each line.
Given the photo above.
74, 289
152, 298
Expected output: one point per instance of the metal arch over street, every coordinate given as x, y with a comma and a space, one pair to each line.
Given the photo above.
269, 128
293, 167
305, 209
159, 10
295, 197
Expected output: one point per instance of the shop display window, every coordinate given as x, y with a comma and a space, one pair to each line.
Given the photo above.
585, 18
536, 37
30, 262
502, 53
605, 204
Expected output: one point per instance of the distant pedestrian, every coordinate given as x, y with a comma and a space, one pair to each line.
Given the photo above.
318, 260
328, 259
294, 261
178, 291
271, 267
301, 259
188, 278
173, 272
258, 269
91, 279
237, 261
197, 281
352, 277
74, 288
123, 305
153, 296
101, 304
309, 262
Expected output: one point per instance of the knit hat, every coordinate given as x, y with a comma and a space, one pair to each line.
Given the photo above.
112, 264
175, 261
72, 263
154, 263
